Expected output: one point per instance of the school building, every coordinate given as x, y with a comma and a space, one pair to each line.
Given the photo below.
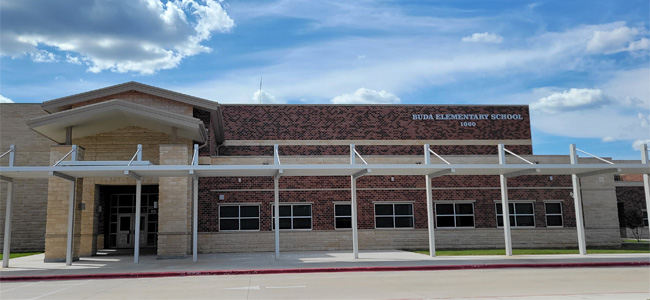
137, 166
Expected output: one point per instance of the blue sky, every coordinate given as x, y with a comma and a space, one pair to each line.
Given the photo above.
582, 66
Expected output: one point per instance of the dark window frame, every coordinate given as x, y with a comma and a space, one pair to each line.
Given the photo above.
239, 217
455, 215
394, 215
514, 214
292, 217
560, 214
342, 216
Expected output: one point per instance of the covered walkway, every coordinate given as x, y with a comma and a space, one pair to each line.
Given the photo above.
137, 169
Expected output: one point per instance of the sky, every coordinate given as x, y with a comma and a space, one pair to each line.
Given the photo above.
583, 67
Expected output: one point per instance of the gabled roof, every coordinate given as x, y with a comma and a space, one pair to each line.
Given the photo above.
112, 115
64, 103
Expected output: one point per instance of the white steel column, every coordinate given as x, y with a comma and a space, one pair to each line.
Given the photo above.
355, 231
195, 207
276, 195
432, 238
138, 211
276, 192
6, 250
195, 219
68, 252
353, 206
577, 201
504, 203
646, 179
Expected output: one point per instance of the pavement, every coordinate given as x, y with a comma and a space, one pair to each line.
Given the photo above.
119, 264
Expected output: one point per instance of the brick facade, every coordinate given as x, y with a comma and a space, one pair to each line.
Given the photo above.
307, 134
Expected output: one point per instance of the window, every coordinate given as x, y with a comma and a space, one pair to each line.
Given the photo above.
645, 218
394, 215
521, 214
293, 216
342, 216
239, 217
553, 214
455, 214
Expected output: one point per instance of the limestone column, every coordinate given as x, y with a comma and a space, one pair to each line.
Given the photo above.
58, 196
174, 231
89, 217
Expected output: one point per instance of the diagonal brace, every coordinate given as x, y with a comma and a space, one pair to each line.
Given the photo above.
133, 175
361, 173
441, 173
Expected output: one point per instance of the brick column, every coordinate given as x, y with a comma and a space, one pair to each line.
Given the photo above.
174, 231
58, 195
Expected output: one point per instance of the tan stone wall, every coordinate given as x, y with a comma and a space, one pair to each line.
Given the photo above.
147, 100
121, 144
600, 210
174, 219
58, 199
385, 239
29, 199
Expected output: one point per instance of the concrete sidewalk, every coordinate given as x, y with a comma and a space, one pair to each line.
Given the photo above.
121, 265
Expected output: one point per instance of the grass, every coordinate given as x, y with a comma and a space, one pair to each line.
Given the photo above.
624, 249
635, 241
14, 255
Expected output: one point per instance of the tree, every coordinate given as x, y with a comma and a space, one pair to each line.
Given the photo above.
634, 221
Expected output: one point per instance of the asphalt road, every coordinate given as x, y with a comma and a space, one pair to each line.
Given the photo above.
573, 283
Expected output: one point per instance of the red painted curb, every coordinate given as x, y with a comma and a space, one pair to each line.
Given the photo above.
320, 270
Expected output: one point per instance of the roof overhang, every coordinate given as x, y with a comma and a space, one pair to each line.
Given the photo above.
115, 114
65, 103
322, 170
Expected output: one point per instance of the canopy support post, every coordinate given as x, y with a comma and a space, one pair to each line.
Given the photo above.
504, 203
577, 201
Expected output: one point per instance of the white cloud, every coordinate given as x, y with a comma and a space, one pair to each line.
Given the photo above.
4, 99
366, 96
123, 36
42, 56
616, 40
484, 37
642, 44
72, 59
572, 100
614, 119
636, 145
266, 98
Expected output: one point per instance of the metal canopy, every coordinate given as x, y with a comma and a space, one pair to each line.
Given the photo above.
321, 170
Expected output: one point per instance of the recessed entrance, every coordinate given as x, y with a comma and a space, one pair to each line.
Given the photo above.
118, 226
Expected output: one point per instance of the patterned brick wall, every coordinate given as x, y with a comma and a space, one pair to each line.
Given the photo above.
325, 122
322, 192
333, 122
371, 150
